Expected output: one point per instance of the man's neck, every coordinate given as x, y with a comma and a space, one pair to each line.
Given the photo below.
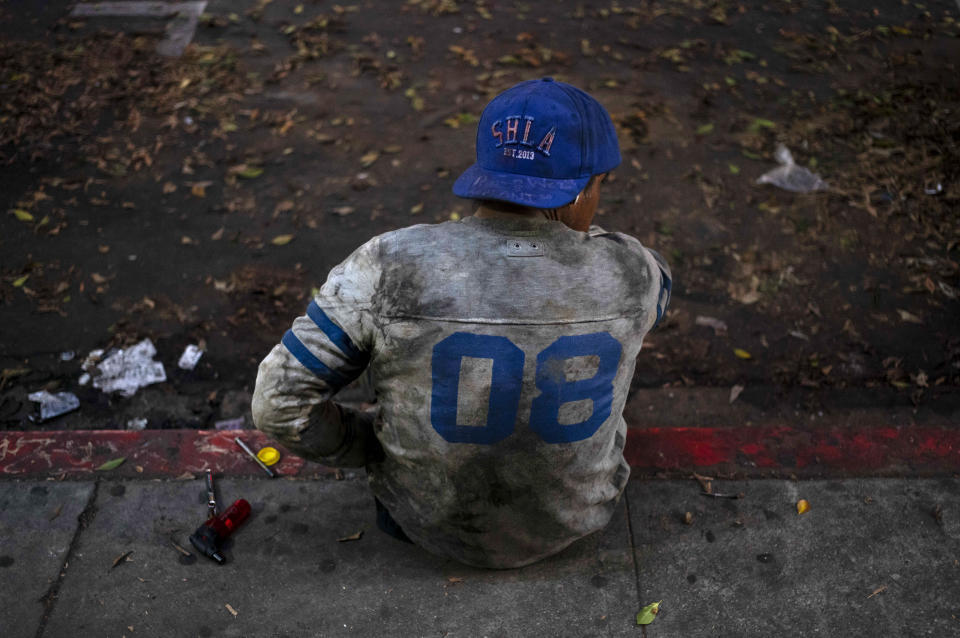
484, 212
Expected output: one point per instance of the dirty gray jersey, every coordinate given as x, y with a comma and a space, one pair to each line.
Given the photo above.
501, 352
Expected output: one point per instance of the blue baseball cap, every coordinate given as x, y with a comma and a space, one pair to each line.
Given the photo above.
538, 144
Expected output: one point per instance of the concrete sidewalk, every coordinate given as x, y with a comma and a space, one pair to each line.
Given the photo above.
872, 557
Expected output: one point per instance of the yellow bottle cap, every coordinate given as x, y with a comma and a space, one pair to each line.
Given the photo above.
269, 455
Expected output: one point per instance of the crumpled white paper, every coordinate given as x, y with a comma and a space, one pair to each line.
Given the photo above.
126, 371
52, 405
191, 355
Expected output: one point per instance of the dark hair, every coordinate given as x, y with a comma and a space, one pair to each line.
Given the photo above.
509, 207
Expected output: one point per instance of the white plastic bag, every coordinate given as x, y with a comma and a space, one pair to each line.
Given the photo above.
791, 177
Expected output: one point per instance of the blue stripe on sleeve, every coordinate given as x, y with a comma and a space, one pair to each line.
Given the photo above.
667, 287
310, 362
336, 334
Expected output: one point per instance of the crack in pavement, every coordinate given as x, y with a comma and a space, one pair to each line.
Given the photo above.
49, 599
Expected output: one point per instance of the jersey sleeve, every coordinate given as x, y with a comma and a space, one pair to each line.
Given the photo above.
325, 348
658, 266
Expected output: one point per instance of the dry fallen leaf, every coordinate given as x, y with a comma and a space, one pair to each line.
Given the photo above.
803, 506
908, 317
231, 609
121, 558
367, 160
878, 590
742, 354
688, 518
281, 240
352, 537
735, 392
705, 482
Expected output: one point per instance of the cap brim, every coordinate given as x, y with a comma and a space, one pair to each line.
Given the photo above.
536, 192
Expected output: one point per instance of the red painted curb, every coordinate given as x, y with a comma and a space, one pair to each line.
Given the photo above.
753, 450
146, 453
747, 450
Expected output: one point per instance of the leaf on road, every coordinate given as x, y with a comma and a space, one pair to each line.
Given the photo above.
735, 392
649, 613
22, 215
250, 172
740, 353
19, 281
761, 123
281, 240
112, 464
367, 160
705, 129
908, 317
803, 506
352, 537
121, 558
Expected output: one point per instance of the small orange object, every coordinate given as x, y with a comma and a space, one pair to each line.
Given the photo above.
803, 506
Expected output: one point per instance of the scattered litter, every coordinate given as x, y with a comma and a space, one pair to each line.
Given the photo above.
735, 392
112, 464
936, 190
68, 355
125, 371
352, 537
791, 177
53, 405
137, 424
230, 424
180, 549
803, 506
799, 335
189, 358
719, 326
231, 609
121, 558
253, 456
878, 590
649, 613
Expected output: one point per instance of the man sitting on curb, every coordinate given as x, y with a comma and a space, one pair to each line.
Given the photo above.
501, 347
